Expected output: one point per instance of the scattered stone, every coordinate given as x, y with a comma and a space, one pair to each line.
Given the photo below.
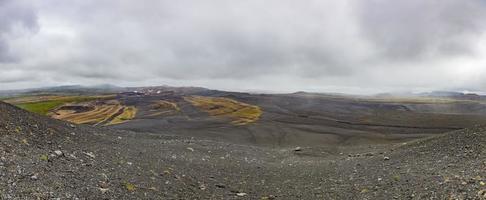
190, 149
482, 194
89, 154
103, 190
269, 197
386, 158
104, 176
219, 185
34, 178
58, 152
241, 194
298, 149
369, 154
166, 172
24, 141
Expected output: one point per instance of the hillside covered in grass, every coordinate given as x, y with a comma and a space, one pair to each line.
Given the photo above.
43, 104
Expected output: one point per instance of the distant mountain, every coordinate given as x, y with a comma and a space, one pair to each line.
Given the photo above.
454, 95
65, 89
436, 94
442, 94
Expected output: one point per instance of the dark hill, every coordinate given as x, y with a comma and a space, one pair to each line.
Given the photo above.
42, 158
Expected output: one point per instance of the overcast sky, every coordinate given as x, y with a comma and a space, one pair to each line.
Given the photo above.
350, 46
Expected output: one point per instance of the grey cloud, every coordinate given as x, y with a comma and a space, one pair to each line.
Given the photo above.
4, 57
415, 29
16, 76
192, 40
273, 44
14, 14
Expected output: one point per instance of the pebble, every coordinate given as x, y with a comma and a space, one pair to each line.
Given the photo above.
482, 194
270, 197
58, 152
91, 155
103, 190
241, 194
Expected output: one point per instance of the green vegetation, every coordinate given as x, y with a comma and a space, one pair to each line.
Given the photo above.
130, 187
44, 158
396, 178
42, 105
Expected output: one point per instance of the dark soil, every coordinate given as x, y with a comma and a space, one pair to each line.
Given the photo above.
42, 158
306, 120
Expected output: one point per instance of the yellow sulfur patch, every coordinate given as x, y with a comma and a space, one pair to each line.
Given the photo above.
128, 114
98, 114
240, 113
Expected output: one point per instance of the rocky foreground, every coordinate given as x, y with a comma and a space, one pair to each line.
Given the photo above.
42, 158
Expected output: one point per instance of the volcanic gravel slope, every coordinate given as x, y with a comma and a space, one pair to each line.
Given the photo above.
290, 120
42, 158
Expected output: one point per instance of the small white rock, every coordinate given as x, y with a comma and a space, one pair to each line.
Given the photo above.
104, 190
241, 194
58, 152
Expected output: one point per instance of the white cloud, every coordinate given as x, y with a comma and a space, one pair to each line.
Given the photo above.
365, 46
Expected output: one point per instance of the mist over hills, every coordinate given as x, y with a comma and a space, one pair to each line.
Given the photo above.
106, 88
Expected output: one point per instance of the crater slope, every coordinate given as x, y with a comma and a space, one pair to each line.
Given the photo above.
44, 158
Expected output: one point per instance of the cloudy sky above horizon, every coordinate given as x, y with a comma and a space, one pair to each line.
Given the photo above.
350, 46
